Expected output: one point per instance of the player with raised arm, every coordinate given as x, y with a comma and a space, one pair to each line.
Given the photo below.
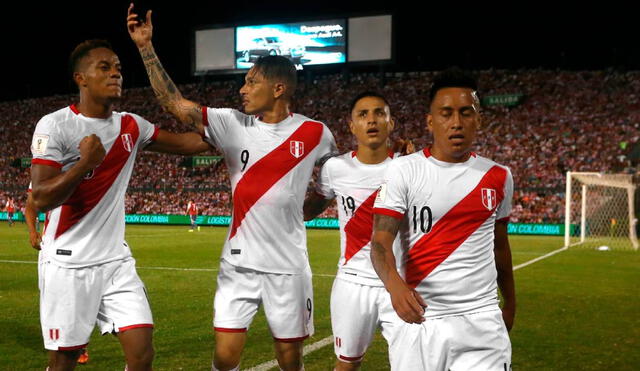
83, 157
359, 301
453, 206
270, 153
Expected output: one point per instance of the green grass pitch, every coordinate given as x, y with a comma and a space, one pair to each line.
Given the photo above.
577, 310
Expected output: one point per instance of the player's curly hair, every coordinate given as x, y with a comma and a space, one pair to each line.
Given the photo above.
453, 77
277, 67
81, 51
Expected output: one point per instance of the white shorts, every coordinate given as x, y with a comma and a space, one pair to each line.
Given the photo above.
476, 341
287, 300
356, 312
74, 300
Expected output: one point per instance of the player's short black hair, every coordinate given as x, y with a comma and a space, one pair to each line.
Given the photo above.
365, 94
277, 67
453, 77
82, 49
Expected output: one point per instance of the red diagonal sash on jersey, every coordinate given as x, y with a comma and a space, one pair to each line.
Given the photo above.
359, 228
270, 169
453, 228
90, 191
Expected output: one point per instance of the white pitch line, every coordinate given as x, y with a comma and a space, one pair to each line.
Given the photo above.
329, 339
306, 350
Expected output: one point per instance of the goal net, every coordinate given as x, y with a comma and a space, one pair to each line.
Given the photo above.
599, 211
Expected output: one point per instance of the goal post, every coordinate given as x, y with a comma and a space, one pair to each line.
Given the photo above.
600, 211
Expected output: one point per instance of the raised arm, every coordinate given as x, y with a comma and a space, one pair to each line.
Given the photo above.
51, 186
30, 215
168, 95
406, 301
314, 205
504, 266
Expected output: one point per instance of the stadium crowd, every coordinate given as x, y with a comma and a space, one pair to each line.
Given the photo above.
578, 121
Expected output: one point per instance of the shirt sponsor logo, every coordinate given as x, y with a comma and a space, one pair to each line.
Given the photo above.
39, 144
489, 199
296, 148
127, 142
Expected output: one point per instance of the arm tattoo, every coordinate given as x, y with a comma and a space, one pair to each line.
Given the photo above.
165, 90
378, 258
386, 223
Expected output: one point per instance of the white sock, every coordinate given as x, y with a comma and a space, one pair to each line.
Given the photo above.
213, 368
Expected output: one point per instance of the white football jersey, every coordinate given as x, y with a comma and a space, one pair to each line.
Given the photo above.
448, 213
88, 228
270, 166
354, 185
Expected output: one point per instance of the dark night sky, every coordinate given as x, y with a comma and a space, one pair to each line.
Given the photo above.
37, 39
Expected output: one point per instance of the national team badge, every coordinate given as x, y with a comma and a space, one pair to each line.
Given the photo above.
489, 199
296, 148
127, 142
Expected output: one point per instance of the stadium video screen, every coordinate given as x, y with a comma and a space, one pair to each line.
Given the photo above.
305, 43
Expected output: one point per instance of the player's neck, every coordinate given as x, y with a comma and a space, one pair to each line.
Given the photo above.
443, 156
368, 155
279, 112
94, 109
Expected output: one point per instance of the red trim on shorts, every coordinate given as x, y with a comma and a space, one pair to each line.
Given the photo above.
232, 330
73, 347
205, 118
350, 359
142, 325
156, 131
290, 340
391, 213
41, 161
74, 109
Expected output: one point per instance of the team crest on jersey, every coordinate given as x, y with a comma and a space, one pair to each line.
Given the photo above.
489, 199
296, 148
127, 142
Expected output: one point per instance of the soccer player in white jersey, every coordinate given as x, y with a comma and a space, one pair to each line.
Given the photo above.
83, 156
453, 206
270, 153
359, 301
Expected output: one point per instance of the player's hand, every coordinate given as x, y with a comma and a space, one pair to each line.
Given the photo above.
403, 146
91, 151
508, 315
35, 239
140, 31
408, 304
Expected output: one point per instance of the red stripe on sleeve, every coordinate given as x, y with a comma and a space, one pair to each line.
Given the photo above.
262, 175
388, 212
453, 228
156, 131
205, 117
41, 161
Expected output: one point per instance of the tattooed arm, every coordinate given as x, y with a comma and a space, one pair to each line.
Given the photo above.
406, 301
168, 95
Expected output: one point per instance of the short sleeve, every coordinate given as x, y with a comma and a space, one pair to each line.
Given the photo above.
216, 123
504, 209
392, 195
327, 146
148, 131
47, 145
323, 184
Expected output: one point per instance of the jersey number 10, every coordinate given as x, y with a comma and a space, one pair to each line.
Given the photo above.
425, 218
